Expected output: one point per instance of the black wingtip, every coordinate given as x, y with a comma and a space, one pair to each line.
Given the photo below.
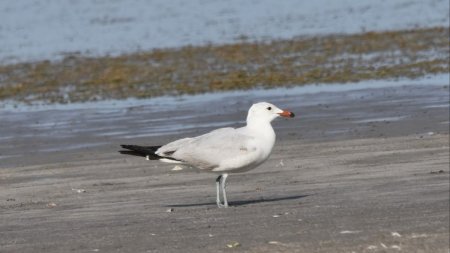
142, 151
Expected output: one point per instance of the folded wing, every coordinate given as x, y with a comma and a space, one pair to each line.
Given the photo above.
225, 147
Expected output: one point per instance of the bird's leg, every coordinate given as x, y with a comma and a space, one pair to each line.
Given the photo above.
218, 182
224, 186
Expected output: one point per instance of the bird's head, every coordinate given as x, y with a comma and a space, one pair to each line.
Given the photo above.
266, 112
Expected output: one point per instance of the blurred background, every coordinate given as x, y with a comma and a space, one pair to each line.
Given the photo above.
74, 51
82, 73
33, 30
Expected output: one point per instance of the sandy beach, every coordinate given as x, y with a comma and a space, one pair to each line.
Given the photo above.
363, 170
363, 167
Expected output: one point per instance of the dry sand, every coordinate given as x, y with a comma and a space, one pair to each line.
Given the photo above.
352, 173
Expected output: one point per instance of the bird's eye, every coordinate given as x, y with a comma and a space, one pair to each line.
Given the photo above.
269, 108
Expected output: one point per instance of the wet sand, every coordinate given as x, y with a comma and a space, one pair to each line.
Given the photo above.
362, 170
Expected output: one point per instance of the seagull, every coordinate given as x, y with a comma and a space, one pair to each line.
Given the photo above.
224, 150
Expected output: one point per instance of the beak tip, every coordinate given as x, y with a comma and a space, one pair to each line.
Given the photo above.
287, 114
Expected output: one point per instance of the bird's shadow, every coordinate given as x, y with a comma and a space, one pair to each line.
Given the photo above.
244, 202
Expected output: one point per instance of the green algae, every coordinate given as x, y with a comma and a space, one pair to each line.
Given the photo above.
244, 65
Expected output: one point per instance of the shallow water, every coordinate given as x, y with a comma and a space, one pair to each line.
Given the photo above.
52, 29
345, 109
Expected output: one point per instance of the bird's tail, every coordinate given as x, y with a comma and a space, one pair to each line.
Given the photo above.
146, 151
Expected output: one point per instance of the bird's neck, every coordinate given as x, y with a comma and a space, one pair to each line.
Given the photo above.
263, 128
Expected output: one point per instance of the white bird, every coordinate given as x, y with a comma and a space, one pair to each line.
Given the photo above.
224, 150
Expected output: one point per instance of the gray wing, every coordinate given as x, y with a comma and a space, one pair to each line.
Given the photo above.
208, 151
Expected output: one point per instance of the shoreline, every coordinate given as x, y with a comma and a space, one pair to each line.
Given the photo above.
432, 80
71, 129
243, 66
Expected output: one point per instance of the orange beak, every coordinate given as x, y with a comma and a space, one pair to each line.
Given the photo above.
287, 114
